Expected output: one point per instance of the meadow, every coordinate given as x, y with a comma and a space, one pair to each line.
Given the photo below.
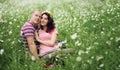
91, 27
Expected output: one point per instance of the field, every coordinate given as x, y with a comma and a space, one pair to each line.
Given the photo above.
91, 27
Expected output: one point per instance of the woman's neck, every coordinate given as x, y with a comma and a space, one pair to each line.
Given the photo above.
45, 28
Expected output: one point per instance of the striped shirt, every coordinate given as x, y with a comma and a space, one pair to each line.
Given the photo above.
27, 30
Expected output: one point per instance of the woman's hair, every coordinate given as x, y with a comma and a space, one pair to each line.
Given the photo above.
50, 24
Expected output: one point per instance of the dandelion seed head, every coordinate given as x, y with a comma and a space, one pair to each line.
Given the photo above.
113, 29
65, 57
92, 57
111, 38
1, 33
56, 59
102, 32
102, 11
101, 65
103, 28
78, 59
84, 21
99, 57
87, 51
1, 51
10, 23
65, 41
15, 19
19, 41
19, 50
119, 47
88, 48
106, 52
77, 43
12, 42
49, 55
96, 43
10, 32
75, 19
11, 47
32, 58
108, 42
60, 44
1, 41
74, 36
109, 20
119, 65
78, 29
25, 65
9, 39
89, 61
94, 26
80, 52
18, 26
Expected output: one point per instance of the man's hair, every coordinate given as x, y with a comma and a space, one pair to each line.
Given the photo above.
34, 12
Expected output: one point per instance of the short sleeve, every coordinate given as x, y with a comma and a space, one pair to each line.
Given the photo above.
55, 31
28, 30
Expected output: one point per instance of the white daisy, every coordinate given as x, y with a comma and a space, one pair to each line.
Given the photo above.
1, 51
74, 36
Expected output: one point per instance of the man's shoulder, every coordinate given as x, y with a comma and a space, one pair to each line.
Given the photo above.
27, 24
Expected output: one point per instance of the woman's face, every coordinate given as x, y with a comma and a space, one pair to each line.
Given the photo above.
44, 20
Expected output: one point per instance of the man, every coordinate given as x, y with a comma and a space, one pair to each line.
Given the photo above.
28, 35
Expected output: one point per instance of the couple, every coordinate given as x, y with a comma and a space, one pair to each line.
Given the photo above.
44, 38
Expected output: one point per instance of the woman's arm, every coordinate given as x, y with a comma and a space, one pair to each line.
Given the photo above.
48, 43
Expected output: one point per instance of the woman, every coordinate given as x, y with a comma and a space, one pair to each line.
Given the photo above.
48, 38
47, 35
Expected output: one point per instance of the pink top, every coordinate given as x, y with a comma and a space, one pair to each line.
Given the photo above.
46, 37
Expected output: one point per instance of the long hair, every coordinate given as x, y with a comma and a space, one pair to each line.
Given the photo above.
50, 24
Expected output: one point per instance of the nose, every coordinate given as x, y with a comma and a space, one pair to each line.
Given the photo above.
42, 20
38, 17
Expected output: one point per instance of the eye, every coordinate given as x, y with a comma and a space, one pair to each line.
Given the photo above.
41, 17
46, 19
36, 15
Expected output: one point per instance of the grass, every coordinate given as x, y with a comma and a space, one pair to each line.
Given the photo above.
93, 24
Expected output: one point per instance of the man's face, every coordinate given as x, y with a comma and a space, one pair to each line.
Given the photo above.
36, 17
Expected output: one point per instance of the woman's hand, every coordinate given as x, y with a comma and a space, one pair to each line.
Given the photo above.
51, 42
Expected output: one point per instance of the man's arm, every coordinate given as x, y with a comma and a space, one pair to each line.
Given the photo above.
32, 46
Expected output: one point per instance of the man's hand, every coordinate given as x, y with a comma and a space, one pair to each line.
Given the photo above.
36, 36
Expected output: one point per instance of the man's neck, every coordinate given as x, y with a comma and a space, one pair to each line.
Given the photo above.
32, 23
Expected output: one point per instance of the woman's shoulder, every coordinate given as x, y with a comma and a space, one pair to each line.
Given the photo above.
54, 30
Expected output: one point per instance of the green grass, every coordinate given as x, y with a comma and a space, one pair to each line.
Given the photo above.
96, 24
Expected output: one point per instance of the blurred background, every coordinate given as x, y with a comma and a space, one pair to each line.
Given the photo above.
91, 27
